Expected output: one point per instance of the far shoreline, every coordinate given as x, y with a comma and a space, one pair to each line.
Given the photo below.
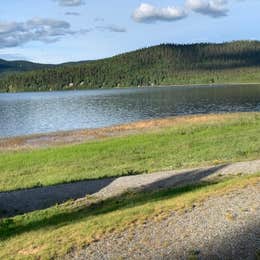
139, 87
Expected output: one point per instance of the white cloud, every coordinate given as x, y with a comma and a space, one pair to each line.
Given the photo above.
72, 13
112, 28
99, 19
213, 8
147, 13
14, 34
70, 2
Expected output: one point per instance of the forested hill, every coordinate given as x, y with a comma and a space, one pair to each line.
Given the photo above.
20, 66
24, 66
234, 62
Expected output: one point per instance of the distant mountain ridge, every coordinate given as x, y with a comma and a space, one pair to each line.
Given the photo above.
21, 66
165, 64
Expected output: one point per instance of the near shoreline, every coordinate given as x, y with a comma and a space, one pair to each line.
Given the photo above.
85, 135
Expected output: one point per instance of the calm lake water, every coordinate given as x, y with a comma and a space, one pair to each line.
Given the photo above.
30, 113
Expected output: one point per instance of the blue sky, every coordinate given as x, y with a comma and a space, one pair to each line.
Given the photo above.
54, 31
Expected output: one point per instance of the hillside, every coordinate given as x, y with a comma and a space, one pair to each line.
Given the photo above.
205, 63
25, 66
20, 66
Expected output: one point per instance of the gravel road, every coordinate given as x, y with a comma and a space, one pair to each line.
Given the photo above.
226, 227
23, 201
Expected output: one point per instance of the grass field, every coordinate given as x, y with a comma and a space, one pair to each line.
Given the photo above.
52, 233
229, 138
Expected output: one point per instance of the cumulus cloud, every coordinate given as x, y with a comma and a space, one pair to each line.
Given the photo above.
70, 2
213, 8
112, 28
147, 13
14, 34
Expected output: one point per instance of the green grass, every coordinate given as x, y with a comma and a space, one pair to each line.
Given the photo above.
233, 138
227, 76
51, 233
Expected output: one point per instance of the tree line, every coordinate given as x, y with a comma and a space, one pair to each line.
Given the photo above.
158, 65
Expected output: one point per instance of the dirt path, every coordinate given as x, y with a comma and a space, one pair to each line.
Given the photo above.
23, 201
226, 227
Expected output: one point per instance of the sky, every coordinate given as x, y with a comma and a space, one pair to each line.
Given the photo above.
56, 31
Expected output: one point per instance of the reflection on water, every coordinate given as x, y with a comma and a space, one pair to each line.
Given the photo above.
29, 113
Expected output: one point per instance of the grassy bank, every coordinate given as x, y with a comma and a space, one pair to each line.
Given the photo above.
219, 139
54, 232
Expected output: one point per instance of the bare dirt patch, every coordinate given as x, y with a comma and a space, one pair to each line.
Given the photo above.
30, 251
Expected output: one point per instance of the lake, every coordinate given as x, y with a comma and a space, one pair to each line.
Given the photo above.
43, 112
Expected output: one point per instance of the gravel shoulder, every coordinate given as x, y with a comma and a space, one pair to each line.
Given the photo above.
226, 227
24, 201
